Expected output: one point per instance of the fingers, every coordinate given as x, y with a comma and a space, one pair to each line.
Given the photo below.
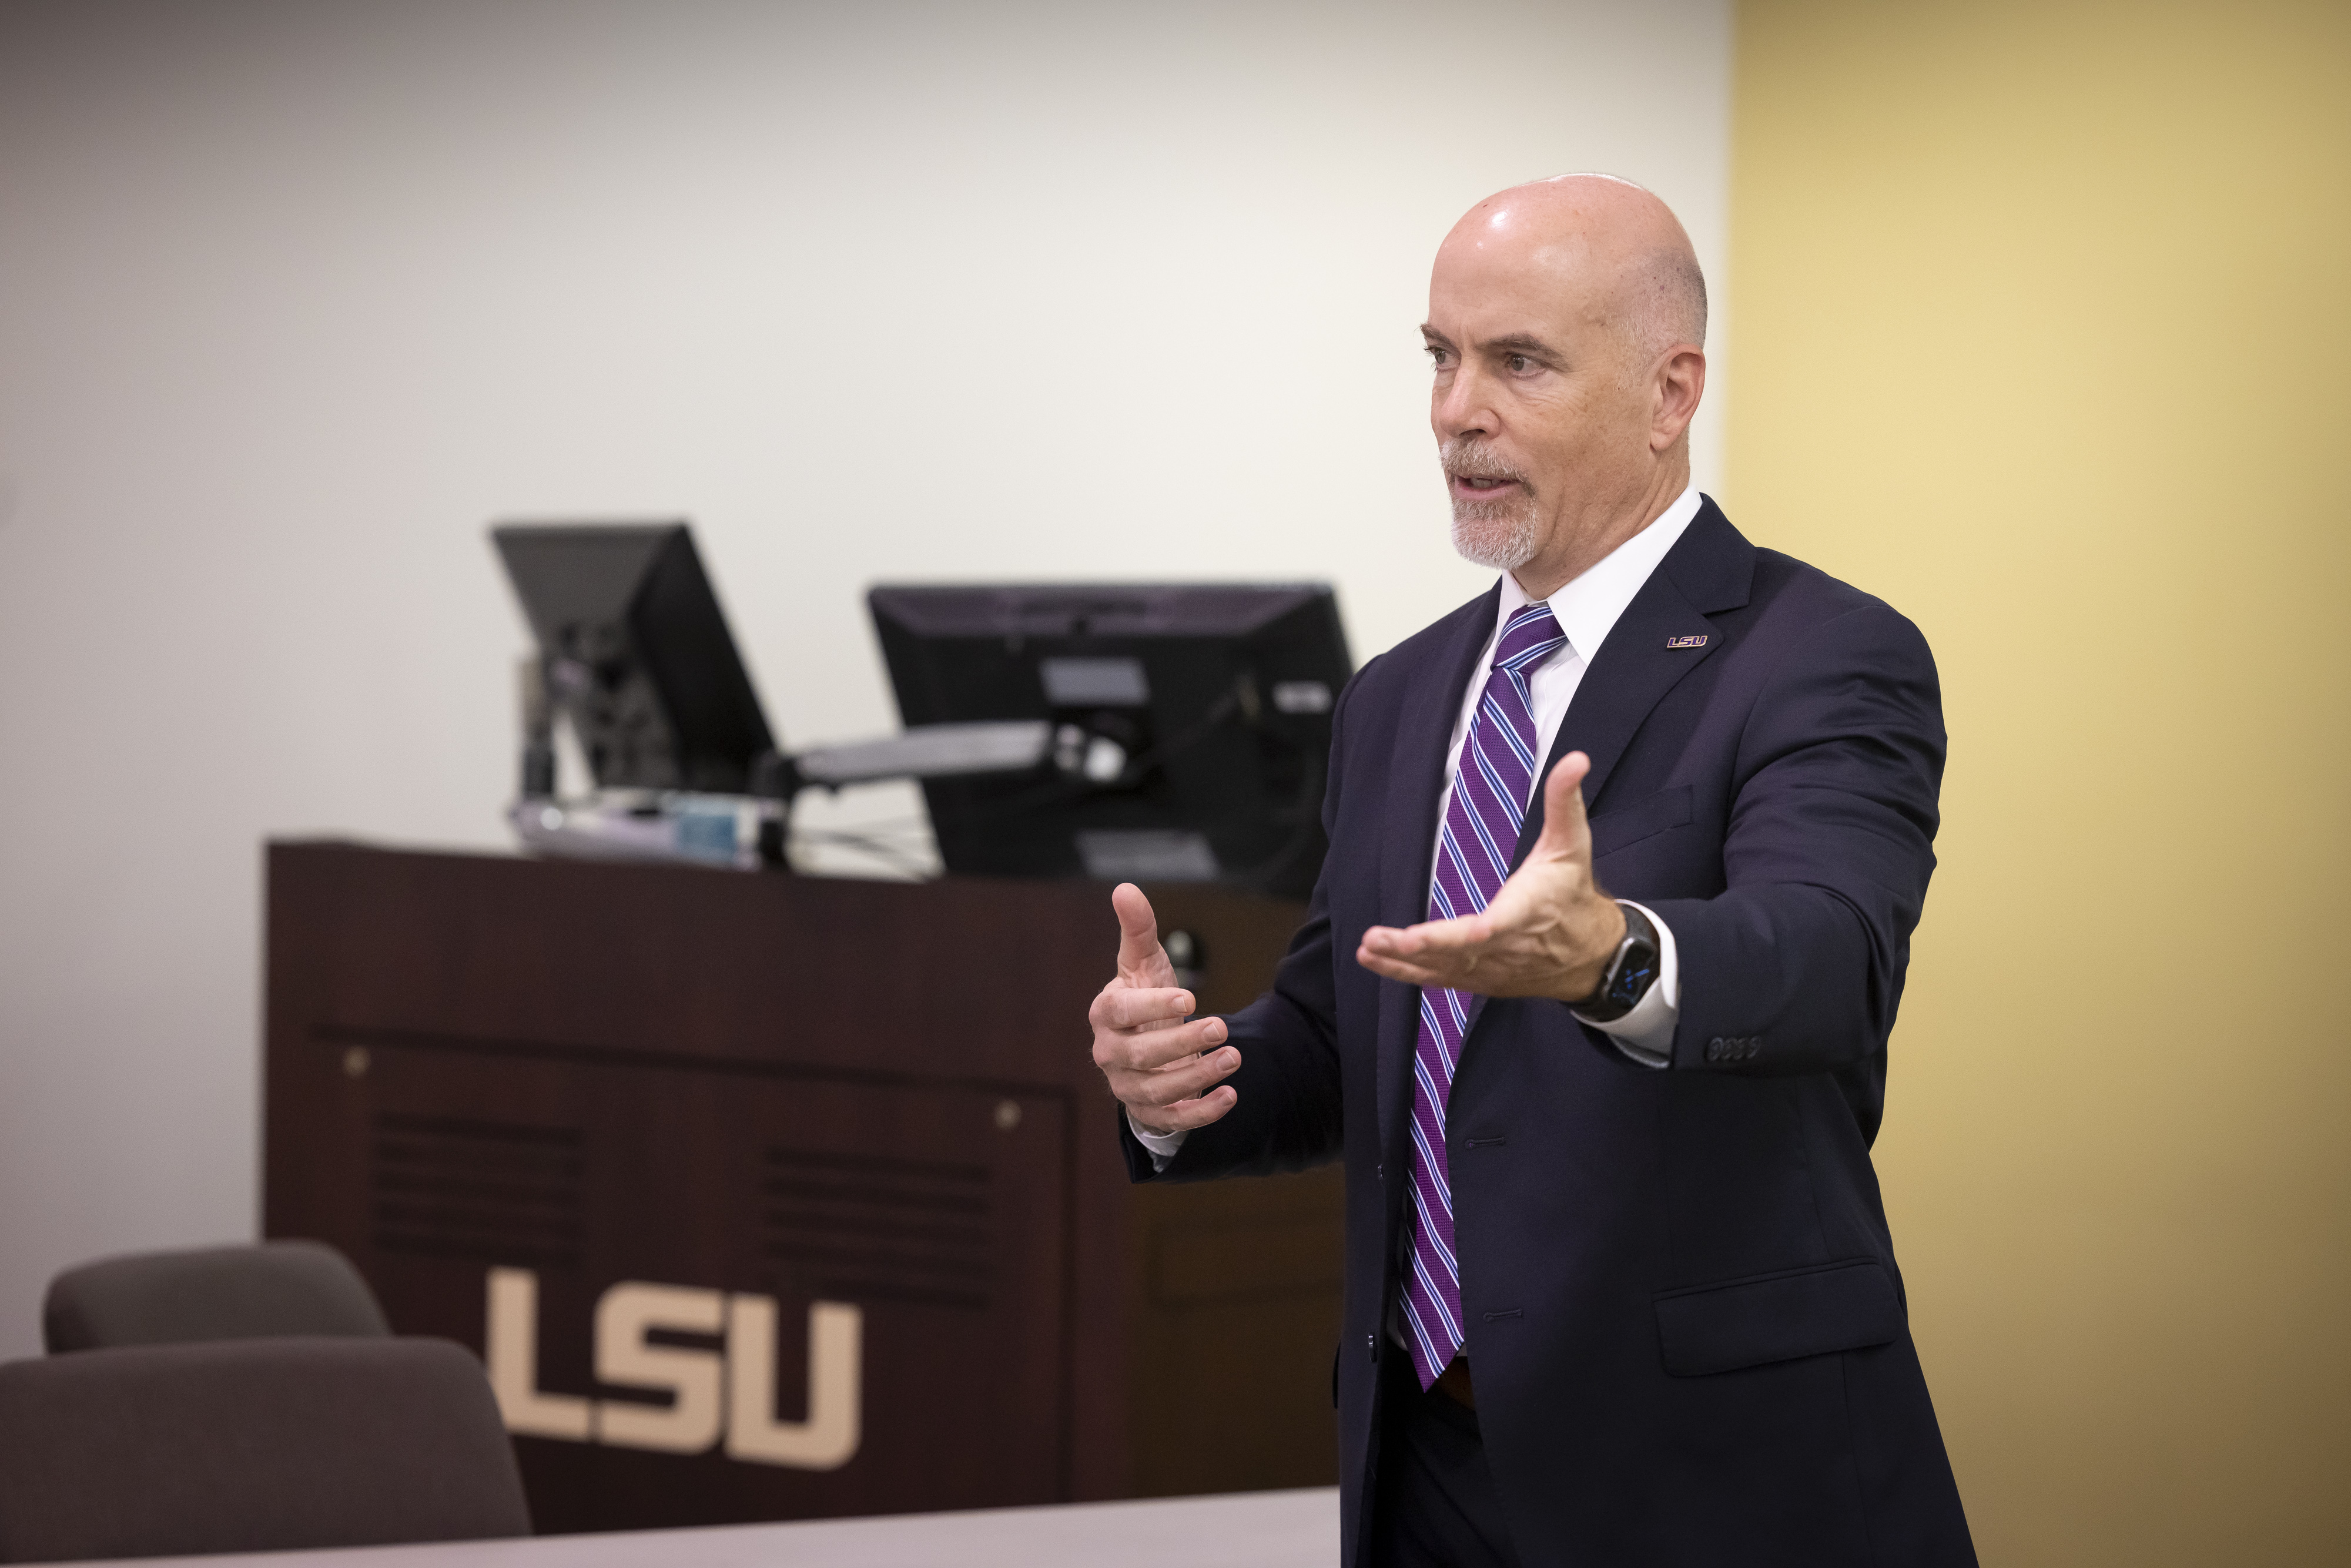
1138, 928
1444, 953
1144, 1030
1440, 953
1402, 955
1565, 832
1435, 936
1410, 973
1150, 1094
1132, 1006
1186, 1114
1149, 1050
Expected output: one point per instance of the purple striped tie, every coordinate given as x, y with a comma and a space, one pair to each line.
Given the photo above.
1489, 803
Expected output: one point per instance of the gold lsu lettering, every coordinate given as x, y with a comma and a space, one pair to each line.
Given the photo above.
714, 1395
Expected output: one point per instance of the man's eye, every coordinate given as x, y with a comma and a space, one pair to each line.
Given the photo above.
1437, 356
1520, 364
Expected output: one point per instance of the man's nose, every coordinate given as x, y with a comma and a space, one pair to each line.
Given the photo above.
1463, 406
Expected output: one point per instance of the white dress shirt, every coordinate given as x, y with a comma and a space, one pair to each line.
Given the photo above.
1586, 611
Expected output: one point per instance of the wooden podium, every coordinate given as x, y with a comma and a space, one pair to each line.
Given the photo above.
777, 1198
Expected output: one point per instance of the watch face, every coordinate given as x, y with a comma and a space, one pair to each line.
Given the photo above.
1634, 975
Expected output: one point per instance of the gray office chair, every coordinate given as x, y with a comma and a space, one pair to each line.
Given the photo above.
215, 1292
252, 1444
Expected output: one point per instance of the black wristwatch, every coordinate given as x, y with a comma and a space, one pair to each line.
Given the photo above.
1629, 975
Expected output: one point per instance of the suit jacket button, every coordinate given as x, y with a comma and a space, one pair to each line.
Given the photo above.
1372, 1345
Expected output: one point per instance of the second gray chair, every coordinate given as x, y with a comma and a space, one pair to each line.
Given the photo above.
250, 1445
213, 1292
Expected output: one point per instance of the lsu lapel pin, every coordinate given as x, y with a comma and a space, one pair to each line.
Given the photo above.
1696, 641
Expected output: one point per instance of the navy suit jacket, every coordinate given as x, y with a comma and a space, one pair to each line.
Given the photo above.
1684, 1322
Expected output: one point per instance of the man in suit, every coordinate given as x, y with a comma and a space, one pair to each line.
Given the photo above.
1619, 1287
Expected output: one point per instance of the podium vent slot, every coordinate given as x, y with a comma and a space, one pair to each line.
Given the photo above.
499, 1192
871, 1227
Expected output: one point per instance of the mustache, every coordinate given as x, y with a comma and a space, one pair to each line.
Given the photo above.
1467, 458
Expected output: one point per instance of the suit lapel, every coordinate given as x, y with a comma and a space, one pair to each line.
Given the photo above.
1662, 636
1432, 703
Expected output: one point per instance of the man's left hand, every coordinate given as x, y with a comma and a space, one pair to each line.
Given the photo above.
1548, 931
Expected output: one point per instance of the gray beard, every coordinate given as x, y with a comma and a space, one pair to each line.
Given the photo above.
1504, 535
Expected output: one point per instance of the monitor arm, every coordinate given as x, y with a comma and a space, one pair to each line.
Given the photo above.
925, 751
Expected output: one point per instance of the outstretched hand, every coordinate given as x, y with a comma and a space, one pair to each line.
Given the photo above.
1548, 931
1167, 1073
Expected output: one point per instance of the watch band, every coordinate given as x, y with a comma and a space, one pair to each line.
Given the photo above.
1630, 973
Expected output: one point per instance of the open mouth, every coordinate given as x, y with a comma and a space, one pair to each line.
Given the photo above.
1482, 486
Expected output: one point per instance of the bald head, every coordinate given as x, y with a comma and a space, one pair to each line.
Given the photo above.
1567, 327
1611, 242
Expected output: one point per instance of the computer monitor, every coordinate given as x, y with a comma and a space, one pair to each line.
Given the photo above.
1191, 725
636, 652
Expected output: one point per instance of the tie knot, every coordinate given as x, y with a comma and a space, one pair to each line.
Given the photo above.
1528, 637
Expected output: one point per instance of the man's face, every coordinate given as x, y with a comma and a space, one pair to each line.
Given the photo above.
1539, 417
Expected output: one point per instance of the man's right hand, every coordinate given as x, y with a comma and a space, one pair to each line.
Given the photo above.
1167, 1073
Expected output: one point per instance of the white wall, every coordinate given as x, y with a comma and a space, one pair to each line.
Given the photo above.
295, 297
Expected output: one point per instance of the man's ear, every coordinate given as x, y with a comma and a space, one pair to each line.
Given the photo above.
1681, 382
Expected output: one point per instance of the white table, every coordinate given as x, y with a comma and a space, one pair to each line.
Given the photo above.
1241, 1529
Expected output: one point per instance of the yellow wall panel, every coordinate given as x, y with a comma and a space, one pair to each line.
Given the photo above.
2042, 321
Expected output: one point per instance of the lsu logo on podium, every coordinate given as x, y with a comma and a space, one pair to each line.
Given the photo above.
715, 1395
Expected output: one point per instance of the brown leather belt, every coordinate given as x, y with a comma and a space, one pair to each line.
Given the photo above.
1454, 1383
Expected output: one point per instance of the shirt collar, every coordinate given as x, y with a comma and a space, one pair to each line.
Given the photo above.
1587, 608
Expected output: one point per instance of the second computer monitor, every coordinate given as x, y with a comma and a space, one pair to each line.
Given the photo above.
1191, 725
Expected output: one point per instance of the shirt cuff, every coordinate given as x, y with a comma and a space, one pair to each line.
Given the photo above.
1162, 1146
1647, 1033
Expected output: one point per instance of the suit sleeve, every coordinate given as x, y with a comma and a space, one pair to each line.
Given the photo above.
1286, 1117
1797, 966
